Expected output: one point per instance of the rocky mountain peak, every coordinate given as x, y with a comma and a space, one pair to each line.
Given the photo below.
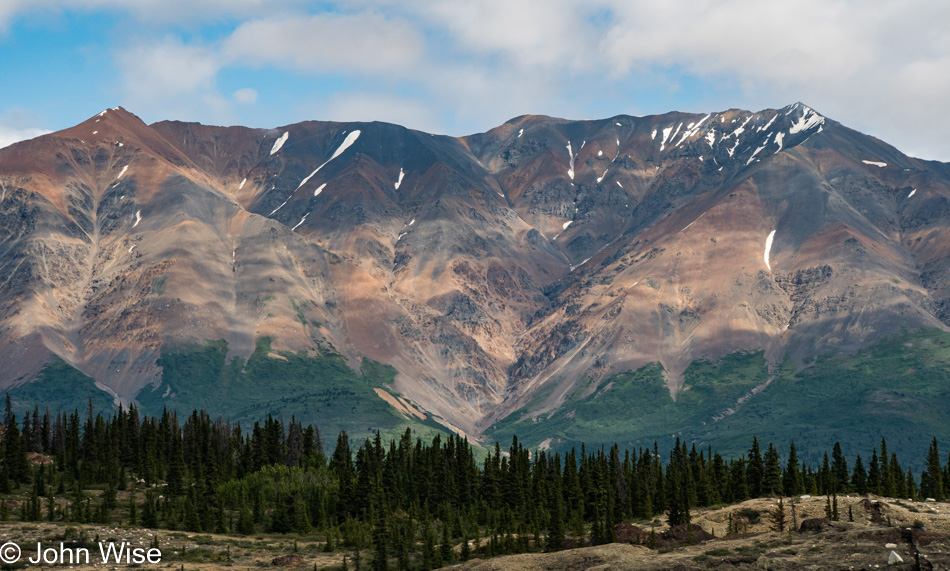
499, 273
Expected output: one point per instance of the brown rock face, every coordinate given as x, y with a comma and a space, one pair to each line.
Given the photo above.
488, 269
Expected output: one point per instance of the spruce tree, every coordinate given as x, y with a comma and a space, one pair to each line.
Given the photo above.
445, 547
380, 545
465, 551
793, 478
826, 476
931, 481
133, 509
874, 474
428, 548
14, 450
772, 484
245, 524
149, 511
839, 469
859, 478
912, 492
341, 464
176, 468
755, 470
778, 516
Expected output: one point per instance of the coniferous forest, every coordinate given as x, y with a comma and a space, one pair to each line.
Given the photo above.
406, 504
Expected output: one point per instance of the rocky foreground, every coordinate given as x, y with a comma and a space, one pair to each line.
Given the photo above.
881, 527
885, 533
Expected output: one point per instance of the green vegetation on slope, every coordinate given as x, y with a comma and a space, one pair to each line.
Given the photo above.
319, 388
897, 389
634, 408
61, 387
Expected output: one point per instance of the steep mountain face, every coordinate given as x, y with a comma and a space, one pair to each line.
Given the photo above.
503, 275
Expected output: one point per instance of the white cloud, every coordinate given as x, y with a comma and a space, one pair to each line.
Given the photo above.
246, 96
549, 33
153, 11
358, 106
10, 135
467, 65
874, 65
167, 69
364, 42
173, 80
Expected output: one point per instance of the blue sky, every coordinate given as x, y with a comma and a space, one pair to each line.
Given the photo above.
464, 66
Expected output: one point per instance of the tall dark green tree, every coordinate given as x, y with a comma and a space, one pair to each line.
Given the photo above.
792, 479
839, 468
772, 482
931, 481
755, 470
859, 477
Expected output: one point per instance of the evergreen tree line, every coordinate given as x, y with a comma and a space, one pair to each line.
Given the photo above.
413, 502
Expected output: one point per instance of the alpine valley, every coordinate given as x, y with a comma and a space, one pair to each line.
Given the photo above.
631, 280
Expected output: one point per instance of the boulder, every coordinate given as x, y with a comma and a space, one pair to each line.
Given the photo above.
814, 524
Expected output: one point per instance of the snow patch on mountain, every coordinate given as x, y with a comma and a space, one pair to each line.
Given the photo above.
319, 189
673, 136
767, 125
809, 119
740, 129
279, 142
301, 222
768, 249
693, 222
666, 135
570, 152
692, 129
346, 144
875, 163
752, 158
399, 182
272, 212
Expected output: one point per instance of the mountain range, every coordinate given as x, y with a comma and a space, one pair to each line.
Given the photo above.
631, 279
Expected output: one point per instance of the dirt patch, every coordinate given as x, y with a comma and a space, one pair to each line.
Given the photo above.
399, 404
292, 560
